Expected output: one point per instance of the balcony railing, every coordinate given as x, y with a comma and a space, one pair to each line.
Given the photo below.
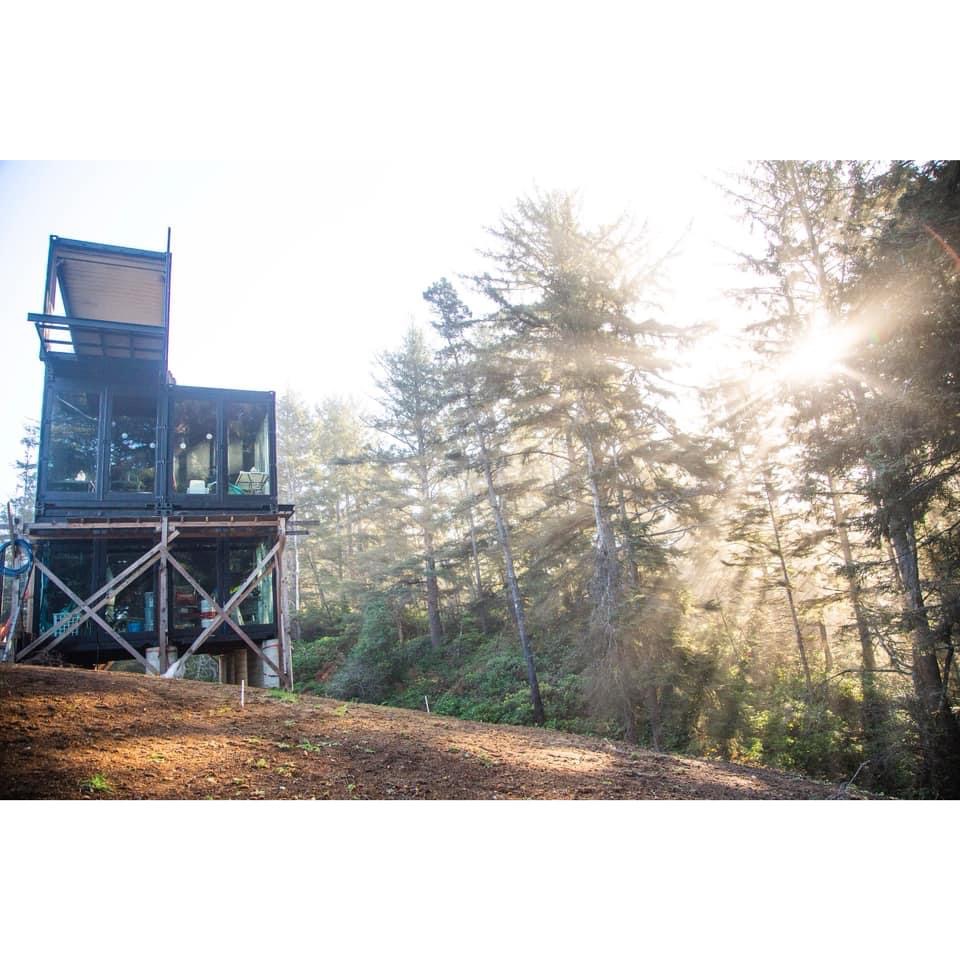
98, 339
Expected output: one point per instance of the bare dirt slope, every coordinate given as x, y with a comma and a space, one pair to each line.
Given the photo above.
71, 734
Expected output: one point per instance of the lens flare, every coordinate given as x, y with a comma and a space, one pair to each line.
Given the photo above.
817, 357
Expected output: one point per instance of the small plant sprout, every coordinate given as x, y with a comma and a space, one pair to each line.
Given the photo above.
98, 783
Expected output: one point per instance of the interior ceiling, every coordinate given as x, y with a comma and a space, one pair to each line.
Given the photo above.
98, 285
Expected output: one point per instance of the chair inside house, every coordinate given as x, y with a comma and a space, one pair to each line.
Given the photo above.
250, 481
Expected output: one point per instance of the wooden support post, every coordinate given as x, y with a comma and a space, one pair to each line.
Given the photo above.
27, 617
283, 613
161, 607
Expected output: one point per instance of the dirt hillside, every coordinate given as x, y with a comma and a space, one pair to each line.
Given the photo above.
72, 734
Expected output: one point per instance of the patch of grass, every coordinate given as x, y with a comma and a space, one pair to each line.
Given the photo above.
318, 746
284, 696
341, 711
98, 783
481, 757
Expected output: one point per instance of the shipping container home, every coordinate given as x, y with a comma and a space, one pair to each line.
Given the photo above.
158, 529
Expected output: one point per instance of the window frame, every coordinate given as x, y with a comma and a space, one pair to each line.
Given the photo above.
180, 499
101, 494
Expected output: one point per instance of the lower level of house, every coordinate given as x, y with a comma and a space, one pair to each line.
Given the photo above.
157, 591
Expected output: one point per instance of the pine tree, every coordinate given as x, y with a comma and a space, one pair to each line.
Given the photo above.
907, 296
585, 372
474, 386
815, 218
411, 405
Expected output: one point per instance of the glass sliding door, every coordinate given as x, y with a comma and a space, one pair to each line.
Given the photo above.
72, 562
133, 453
194, 432
73, 440
190, 611
248, 449
133, 609
242, 560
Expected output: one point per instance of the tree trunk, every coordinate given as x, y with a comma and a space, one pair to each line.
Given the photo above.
608, 588
652, 699
825, 645
339, 530
513, 588
607, 572
874, 713
478, 584
433, 595
319, 587
429, 561
939, 731
788, 587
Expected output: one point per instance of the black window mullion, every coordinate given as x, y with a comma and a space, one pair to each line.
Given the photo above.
103, 442
222, 452
223, 575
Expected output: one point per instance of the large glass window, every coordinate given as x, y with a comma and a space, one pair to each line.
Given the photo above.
248, 448
194, 432
190, 611
243, 558
133, 609
72, 562
72, 446
133, 454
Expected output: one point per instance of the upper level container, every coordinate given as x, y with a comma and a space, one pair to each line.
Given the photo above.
117, 434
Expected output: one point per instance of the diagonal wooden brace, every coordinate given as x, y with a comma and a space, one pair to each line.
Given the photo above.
101, 597
222, 614
92, 614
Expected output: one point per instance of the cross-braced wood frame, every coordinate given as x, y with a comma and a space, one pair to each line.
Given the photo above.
169, 529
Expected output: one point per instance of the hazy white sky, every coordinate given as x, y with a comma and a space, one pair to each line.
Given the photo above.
295, 273
362, 148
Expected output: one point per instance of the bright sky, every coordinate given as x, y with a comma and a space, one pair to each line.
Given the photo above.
363, 148
296, 274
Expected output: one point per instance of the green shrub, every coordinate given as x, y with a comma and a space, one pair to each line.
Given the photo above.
375, 663
313, 658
